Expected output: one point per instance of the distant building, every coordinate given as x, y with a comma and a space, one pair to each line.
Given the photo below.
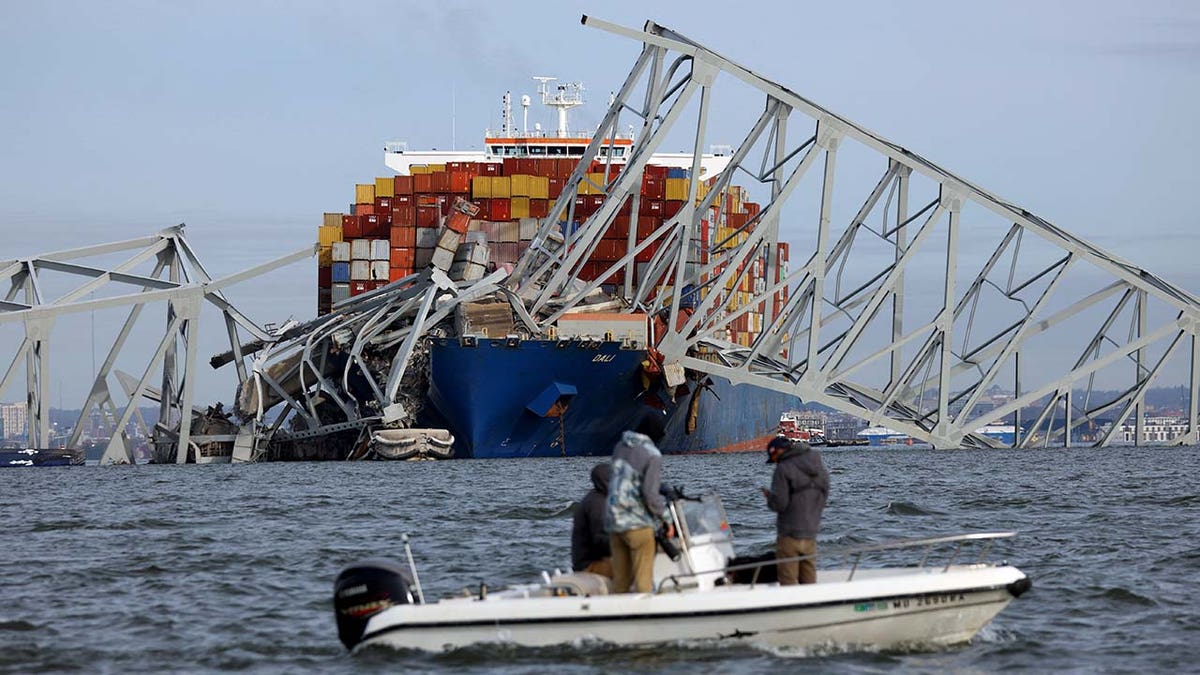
1156, 429
15, 418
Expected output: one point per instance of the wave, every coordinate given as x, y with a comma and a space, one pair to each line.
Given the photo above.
909, 509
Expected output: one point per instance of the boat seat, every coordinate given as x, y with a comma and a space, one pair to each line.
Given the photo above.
583, 583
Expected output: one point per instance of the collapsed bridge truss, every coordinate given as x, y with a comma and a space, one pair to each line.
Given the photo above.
921, 292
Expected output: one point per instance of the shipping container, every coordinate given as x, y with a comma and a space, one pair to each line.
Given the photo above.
364, 193
481, 187
360, 270
341, 251
426, 237
380, 248
501, 187
404, 216
383, 204
539, 208
360, 249
404, 235
498, 209
384, 186
422, 258
402, 185
340, 291
402, 256
398, 273
379, 269
428, 216
324, 256
328, 234
332, 220
518, 207
422, 183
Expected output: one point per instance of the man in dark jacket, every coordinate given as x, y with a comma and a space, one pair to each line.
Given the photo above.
590, 551
798, 493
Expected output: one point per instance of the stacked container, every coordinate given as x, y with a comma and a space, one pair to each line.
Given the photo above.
468, 217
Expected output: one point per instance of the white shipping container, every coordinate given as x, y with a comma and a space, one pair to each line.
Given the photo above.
339, 292
442, 259
598, 325
360, 249
379, 270
341, 251
381, 249
478, 237
360, 270
449, 240
527, 228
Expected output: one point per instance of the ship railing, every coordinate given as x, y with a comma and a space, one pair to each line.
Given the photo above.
853, 556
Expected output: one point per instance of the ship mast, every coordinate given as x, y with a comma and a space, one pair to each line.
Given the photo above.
567, 96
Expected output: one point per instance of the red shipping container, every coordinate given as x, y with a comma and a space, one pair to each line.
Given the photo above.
351, 229
595, 202
650, 207
564, 167
582, 207
539, 208
398, 273
458, 182
360, 287
441, 181
404, 216
404, 235
349, 221
671, 207
646, 225
403, 256
427, 200
383, 204
653, 188
525, 166
555, 187
428, 216
403, 200
619, 229
364, 209
656, 172
324, 277
402, 185
498, 209
647, 253
510, 166
491, 169
738, 220
422, 183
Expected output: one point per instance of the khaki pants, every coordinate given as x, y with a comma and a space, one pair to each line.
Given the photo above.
803, 571
633, 560
603, 567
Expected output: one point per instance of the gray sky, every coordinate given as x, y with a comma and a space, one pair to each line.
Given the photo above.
247, 120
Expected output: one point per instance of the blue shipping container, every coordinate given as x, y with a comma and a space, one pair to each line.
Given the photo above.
341, 272
677, 172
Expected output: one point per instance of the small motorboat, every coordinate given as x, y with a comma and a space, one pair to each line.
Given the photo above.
938, 591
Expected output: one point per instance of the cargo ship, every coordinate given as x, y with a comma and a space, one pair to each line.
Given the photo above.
503, 393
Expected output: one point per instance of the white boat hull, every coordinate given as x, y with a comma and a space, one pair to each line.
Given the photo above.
881, 609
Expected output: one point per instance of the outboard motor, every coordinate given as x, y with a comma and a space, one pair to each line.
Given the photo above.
365, 589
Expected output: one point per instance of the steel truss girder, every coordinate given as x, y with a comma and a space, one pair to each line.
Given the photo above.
817, 346
186, 287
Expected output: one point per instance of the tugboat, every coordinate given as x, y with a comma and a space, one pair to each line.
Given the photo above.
798, 426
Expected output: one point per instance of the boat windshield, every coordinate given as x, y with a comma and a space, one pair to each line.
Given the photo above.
704, 520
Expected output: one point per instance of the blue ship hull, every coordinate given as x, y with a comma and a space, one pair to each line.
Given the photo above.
545, 398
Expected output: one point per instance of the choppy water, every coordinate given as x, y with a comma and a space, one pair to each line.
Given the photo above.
163, 568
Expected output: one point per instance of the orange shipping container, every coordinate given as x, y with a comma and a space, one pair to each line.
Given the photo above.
404, 236
459, 182
422, 183
398, 273
402, 185
403, 256
441, 182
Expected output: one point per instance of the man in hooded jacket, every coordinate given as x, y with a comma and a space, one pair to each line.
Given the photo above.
635, 506
590, 551
799, 490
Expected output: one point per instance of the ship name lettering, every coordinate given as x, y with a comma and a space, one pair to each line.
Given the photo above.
603, 358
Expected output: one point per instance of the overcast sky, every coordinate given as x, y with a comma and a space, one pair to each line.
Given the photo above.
247, 120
